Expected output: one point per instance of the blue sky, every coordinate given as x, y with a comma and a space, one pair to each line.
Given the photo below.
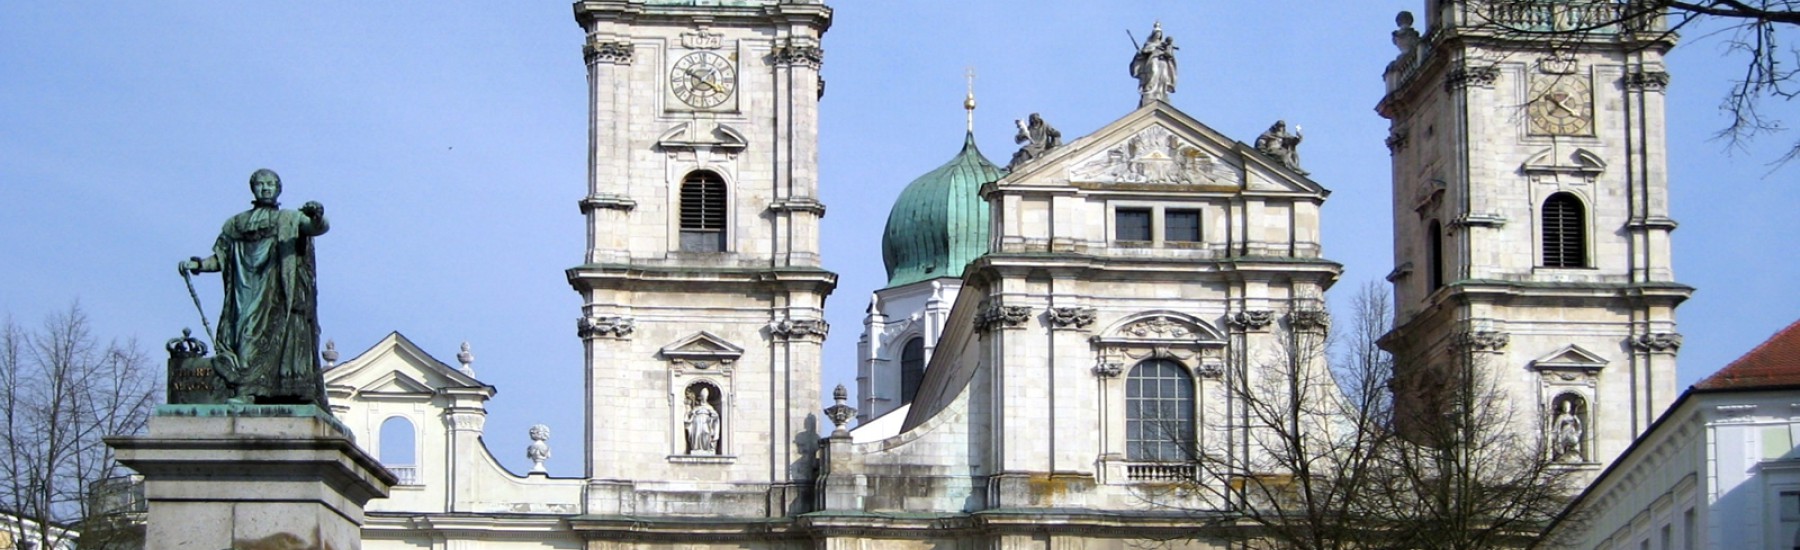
446, 141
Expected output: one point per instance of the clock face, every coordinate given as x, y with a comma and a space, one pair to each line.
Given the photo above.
1561, 105
703, 79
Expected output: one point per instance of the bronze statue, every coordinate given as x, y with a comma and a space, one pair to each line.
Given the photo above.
268, 335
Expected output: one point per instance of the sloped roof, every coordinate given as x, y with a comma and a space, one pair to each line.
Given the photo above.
1775, 362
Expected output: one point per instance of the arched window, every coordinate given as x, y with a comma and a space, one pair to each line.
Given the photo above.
1436, 270
912, 368
399, 449
1565, 231
1159, 412
703, 212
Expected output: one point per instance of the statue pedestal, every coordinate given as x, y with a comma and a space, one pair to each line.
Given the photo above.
252, 476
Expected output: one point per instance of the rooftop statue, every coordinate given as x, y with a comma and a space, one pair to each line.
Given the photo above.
268, 336
1282, 146
1154, 67
1035, 138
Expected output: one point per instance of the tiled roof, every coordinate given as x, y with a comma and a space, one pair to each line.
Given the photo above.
1774, 363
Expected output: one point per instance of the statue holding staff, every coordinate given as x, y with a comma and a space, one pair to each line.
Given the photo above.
1154, 67
268, 334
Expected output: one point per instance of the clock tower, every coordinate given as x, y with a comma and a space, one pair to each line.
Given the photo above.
1531, 216
702, 312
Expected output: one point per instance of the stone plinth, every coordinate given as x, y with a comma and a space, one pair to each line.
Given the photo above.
252, 476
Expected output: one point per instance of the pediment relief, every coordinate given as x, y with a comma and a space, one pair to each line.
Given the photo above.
702, 346
1153, 155
1162, 327
697, 134
1570, 357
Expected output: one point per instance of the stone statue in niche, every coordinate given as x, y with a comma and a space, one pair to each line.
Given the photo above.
1154, 67
1282, 146
1036, 138
702, 421
1567, 431
539, 449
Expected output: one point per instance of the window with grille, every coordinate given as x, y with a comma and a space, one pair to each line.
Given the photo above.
703, 212
1181, 226
1565, 232
1131, 224
912, 369
1159, 412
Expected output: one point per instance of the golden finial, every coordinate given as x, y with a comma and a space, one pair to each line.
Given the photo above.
969, 100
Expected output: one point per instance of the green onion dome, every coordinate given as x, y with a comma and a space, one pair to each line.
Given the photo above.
939, 224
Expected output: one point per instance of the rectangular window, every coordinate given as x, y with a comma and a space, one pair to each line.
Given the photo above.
1131, 224
1690, 535
1181, 226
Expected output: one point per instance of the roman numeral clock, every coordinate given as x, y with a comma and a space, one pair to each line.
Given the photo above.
1561, 105
704, 80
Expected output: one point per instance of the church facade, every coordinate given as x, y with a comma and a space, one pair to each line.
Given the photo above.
1055, 333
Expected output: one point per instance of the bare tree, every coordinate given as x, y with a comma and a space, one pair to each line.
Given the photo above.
61, 391
1320, 459
1751, 30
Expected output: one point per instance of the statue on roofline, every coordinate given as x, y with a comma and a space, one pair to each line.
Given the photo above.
1154, 67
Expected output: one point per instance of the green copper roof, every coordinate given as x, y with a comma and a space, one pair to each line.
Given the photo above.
939, 224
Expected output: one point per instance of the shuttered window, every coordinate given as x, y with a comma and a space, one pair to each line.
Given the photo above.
1565, 232
703, 212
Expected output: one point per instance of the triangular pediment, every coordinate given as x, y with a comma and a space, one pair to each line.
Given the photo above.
1570, 357
694, 134
1579, 161
397, 383
1160, 147
702, 346
396, 364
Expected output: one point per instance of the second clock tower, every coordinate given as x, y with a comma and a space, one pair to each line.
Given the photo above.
1531, 215
702, 290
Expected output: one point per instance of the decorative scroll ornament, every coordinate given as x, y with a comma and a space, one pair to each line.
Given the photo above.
1069, 317
1483, 340
1211, 370
618, 52
1108, 370
1158, 327
803, 54
605, 327
1002, 317
841, 413
1480, 77
1657, 341
1253, 319
799, 328
1309, 319
1152, 156
1654, 81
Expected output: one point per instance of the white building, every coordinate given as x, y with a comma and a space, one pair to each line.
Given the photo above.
1719, 469
1050, 332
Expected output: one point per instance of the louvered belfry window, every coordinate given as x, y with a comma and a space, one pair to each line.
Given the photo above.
703, 212
1565, 232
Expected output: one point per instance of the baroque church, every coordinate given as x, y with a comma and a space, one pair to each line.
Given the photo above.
1052, 330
